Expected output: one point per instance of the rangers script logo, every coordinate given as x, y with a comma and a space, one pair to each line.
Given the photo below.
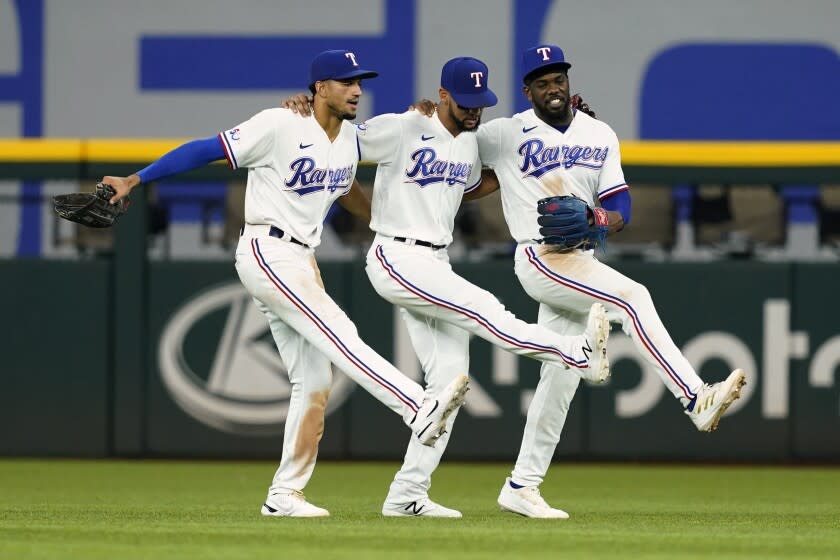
538, 159
307, 177
428, 169
243, 388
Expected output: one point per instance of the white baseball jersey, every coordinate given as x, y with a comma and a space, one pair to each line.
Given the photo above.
534, 160
294, 172
423, 173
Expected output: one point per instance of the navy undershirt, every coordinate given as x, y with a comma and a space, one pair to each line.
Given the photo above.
619, 202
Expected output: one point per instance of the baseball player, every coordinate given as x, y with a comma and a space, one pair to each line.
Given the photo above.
297, 167
552, 150
425, 167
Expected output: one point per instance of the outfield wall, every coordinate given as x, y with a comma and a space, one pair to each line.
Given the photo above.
189, 68
194, 67
211, 384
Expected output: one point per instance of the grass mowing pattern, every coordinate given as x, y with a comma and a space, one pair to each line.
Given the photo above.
207, 510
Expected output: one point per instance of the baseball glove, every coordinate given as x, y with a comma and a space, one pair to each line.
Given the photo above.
91, 209
569, 223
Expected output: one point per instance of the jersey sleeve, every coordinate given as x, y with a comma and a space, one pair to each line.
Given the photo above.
251, 143
611, 179
379, 138
489, 138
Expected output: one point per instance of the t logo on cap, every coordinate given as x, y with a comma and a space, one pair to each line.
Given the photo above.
541, 59
337, 65
465, 78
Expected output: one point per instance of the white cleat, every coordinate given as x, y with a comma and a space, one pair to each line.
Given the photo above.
528, 502
429, 421
418, 508
596, 334
291, 505
713, 400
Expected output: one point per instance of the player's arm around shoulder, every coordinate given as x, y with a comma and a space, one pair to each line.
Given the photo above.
490, 137
488, 185
357, 202
380, 137
300, 103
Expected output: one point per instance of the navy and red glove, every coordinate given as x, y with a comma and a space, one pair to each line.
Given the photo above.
569, 222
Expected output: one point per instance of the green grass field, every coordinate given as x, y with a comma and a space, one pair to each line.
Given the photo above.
204, 510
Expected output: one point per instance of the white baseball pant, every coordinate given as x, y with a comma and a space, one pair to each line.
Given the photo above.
440, 308
311, 331
566, 285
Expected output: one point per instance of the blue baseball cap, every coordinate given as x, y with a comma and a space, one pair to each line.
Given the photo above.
337, 65
465, 79
543, 57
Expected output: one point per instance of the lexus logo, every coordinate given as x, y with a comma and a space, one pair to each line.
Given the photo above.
243, 386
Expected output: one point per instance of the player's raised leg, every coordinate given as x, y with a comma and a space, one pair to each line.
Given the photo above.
280, 275
714, 400
572, 281
442, 349
422, 280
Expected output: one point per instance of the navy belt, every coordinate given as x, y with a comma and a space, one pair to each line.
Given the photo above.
420, 242
280, 234
275, 231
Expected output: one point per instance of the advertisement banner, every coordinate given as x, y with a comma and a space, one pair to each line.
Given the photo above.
216, 386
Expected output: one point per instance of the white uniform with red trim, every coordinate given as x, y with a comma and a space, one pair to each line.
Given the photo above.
294, 174
534, 160
422, 175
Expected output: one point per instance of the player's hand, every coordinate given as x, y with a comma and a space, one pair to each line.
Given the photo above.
299, 103
424, 106
578, 103
122, 186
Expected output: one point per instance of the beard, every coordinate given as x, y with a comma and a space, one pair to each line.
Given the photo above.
459, 123
342, 112
556, 113
347, 114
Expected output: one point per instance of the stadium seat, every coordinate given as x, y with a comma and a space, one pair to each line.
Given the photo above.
748, 92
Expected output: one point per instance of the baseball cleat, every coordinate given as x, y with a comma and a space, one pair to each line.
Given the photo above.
429, 422
293, 504
528, 502
713, 400
418, 508
595, 345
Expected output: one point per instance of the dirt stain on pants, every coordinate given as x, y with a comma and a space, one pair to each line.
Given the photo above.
311, 429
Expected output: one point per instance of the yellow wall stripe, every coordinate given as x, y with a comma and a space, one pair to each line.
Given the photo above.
734, 154
15, 150
647, 153
119, 150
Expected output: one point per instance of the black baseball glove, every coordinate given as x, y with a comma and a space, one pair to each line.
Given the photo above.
91, 209
569, 223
